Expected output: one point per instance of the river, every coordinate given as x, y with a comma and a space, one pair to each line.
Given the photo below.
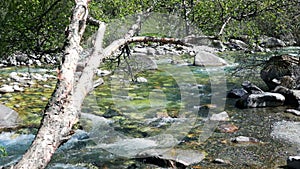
169, 111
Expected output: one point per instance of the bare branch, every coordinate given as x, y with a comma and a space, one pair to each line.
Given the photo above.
223, 26
108, 51
85, 82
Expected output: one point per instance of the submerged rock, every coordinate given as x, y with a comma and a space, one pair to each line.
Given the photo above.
227, 128
266, 99
244, 139
223, 116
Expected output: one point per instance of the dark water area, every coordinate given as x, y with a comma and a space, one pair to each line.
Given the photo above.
122, 119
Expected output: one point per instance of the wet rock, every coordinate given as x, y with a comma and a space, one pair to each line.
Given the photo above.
223, 116
244, 139
293, 162
141, 80
293, 111
266, 99
203, 58
18, 88
251, 88
282, 70
39, 77
227, 128
236, 93
8, 117
292, 96
111, 112
6, 89
238, 44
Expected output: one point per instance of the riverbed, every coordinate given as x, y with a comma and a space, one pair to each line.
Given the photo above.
170, 111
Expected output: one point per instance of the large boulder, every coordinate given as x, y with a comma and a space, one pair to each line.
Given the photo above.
282, 70
203, 58
266, 99
8, 118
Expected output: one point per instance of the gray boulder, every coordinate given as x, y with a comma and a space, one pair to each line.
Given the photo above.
7, 89
8, 117
238, 44
282, 70
266, 99
203, 58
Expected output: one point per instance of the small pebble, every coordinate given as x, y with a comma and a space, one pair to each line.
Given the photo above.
228, 128
223, 116
244, 139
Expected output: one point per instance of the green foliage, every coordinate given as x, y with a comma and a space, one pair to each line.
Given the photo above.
275, 18
37, 26
3, 152
33, 26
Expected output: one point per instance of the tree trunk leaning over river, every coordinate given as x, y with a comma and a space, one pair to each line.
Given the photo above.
63, 109
60, 114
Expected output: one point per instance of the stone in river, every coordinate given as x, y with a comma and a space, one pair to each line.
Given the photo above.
8, 117
223, 116
6, 89
227, 128
244, 139
266, 99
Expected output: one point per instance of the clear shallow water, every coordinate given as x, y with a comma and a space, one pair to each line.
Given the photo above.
164, 112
